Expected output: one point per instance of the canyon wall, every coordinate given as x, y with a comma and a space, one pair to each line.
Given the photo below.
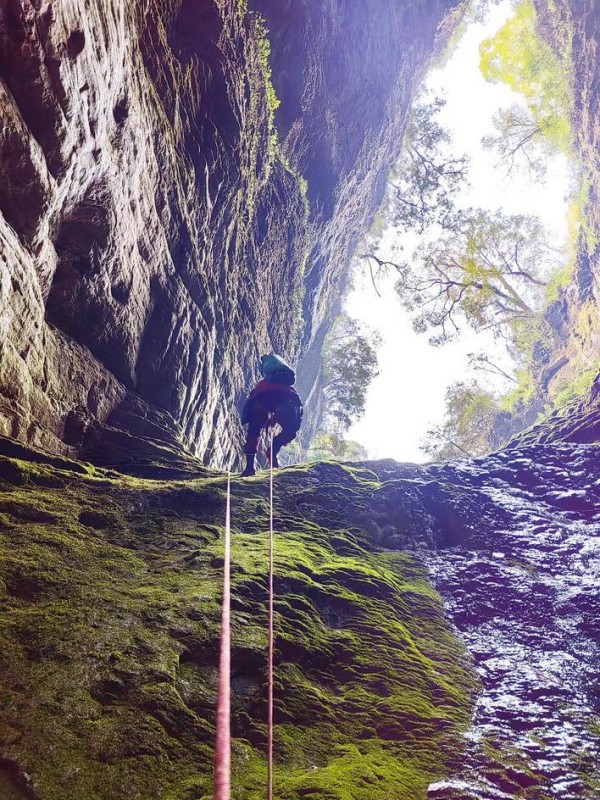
573, 31
163, 221
110, 589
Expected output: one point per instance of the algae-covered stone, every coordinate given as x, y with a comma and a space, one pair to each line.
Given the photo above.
109, 633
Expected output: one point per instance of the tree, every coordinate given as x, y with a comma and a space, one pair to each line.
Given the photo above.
518, 56
327, 445
483, 363
427, 176
468, 426
520, 139
350, 364
488, 271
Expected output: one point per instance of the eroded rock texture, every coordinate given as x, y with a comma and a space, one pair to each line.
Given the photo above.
346, 84
524, 597
110, 592
156, 234
575, 27
136, 190
573, 30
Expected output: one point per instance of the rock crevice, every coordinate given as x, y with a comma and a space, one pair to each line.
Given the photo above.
161, 215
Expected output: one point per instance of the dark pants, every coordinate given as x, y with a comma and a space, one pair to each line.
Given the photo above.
288, 416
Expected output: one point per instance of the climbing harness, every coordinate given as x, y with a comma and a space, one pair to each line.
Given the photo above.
223, 737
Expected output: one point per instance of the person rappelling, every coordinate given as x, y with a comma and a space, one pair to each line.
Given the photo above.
273, 401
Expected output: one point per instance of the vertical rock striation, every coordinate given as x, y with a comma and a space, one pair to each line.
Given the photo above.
573, 30
156, 234
346, 76
135, 180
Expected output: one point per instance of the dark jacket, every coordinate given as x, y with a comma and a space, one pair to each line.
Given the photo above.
271, 395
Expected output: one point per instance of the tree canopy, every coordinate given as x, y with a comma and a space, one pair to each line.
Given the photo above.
327, 445
468, 425
520, 139
519, 57
350, 364
489, 271
427, 177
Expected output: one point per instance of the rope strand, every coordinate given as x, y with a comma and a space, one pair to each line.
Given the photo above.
223, 738
271, 637
223, 743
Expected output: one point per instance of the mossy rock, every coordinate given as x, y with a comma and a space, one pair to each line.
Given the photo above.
109, 634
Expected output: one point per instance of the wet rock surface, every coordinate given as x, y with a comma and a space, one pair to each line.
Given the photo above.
110, 586
512, 542
524, 597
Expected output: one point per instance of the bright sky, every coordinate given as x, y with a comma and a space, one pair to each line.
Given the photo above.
407, 398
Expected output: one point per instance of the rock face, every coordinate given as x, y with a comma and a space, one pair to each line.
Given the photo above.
137, 240
345, 97
156, 232
156, 235
523, 596
573, 30
110, 615
575, 27
578, 421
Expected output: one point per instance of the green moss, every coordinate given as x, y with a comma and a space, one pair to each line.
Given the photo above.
577, 388
579, 221
522, 395
109, 632
275, 152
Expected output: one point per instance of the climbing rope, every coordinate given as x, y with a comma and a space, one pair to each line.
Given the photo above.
271, 637
223, 743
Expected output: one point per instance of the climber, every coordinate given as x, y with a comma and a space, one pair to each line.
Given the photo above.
273, 401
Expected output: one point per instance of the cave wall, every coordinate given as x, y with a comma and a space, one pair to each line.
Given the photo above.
155, 235
135, 195
576, 26
346, 77
574, 29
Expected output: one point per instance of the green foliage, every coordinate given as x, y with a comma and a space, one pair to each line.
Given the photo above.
518, 56
581, 231
263, 45
576, 379
467, 429
426, 180
489, 271
303, 186
575, 388
520, 138
349, 366
327, 445
524, 392
536, 347
110, 591
559, 280
532, 342
263, 53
